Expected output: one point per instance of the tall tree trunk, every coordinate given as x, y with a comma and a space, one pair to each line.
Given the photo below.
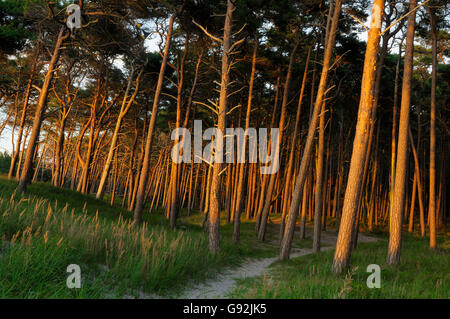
40, 109
300, 181
174, 204
293, 143
319, 182
214, 206
432, 198
241, 177
191, 198
276, 159
395, 221
394, 129
126, 104
366, 107
148, 145
26, 100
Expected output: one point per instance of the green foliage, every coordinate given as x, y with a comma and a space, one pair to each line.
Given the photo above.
14, 28
422, 273
51, 228
5, 162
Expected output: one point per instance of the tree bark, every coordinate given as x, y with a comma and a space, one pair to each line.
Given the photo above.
396, 218
432, 198
241, 177
40, 109
214, 206
148, 145
276, 159
319, 182
126, 105
300, 181
366, 106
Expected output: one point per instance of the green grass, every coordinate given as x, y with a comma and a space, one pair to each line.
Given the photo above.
422, 273
50, 228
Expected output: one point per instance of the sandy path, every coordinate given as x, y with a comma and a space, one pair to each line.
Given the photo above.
224, 283
219, 287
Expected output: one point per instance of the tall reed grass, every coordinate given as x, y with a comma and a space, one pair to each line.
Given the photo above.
41, 239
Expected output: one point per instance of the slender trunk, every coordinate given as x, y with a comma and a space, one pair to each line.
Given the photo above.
432, 198
366, 106
40, 109
123, 111
173, 204
23, 117
293, 143
396, 218
394, 130
214, 206
319, 182
241, 177
148, 145
300, 181
276, 158
59, 152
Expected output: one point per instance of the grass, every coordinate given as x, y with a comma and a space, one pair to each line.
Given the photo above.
50, 228
422, 273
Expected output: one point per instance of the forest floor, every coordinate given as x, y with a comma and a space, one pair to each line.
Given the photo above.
421, 273
226, 281
50, 228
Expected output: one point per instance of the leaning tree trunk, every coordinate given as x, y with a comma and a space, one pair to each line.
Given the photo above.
26, 101
300, 181
140, 196
41, 106
276, 159
293, 144
396, 218
355, 177
126, 105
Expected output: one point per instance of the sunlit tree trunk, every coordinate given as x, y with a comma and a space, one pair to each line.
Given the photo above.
26, 100
140, 196
396, 218
293, 143
360, 143
394, 129
40, 109
432, 198
126, 104
241, 166
276, 159
214, 205
300, 180
319, 183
